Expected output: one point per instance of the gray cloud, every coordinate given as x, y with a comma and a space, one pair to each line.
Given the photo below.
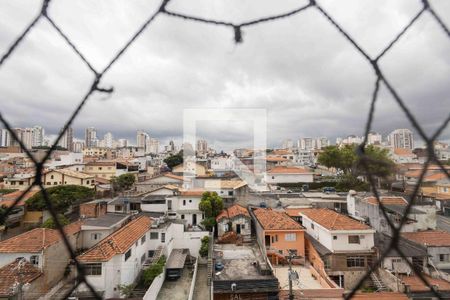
308, 77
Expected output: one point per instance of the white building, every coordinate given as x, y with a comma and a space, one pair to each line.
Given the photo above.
282, 174
374, 138
108, 140
401, 138
66, 140
141, 139
90, 137
5, 138
68, 159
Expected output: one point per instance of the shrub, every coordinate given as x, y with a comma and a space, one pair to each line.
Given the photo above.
50, 223
204, 248
153, 271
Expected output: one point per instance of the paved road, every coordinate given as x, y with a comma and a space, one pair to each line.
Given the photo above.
443, 223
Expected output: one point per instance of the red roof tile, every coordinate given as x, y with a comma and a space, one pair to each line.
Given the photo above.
416, 284
288, 170
9, 275
275, 220
332, 220
435, 238
387, 200
118, 242
233, 211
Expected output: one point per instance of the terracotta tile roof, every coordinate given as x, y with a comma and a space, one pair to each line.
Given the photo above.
118, 242
275, 220
386, 200
281, 152
233, 211
68, 172
8, 199
435, 177
224, 184
416, 285
192, 192
275, 158
170, 175
403, 152
288, 170
436, 238
9, 275
332, 220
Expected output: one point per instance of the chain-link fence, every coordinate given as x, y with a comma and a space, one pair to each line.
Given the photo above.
381, 79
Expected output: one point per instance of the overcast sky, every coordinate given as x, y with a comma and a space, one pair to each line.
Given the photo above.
300, 69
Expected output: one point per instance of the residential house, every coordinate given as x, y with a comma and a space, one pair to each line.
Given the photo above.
185, 206
235, 218
159, 181
345, 245
155, 201
93, 230
228, 190
281, 174
437, 244
45, 249
21, 272
103, 169
189, 168
278, 234
402, 155
117, 259
16, 216
420, 217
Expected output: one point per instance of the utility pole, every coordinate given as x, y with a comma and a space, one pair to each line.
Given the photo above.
292, 275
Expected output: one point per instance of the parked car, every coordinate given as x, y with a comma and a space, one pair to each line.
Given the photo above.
329, 189
263, 205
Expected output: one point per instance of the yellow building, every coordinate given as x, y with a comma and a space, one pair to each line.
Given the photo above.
102, 169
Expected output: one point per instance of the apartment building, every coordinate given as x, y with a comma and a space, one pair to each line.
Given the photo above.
102, 169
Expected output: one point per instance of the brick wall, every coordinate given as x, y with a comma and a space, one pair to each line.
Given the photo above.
92, 210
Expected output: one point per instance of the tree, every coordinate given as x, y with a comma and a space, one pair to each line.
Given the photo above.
174, 160
153, 271
62, 197
126, 290
345, 159
123, 182
204, 248
50, 223
211, 204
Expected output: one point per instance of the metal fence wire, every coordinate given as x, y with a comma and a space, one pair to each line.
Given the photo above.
44, 15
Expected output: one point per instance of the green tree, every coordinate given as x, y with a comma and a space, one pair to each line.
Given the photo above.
153, 271
50, 223
204, 248
123, 182
62, 197
211, 204
126, 290
345, 159
174, 160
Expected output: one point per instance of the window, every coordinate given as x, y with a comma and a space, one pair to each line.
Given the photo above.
20, 182
190, 200
51, 177
230, 193
136, 244
184, 202
163, 237
127, 255
142, 258
93, 269
444, 257
353, 239
274, 238
293, 252
326, 262
34, 259
157, 201
151, 253
225, 227
96, 236
273, 177
312, 225
182, 217
99, 168
242, 226
334, 237
290, 237
118, 208
87, 181
355, 261
48, 183
143, 239
55, 183
280, 251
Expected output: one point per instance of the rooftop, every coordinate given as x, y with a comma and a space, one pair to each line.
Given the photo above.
177, 259
436, 238
386, 200
118, 242
71, 173
275, 220
232, 212
416, 284
9, 275
289, 170
332, 220
306, 280
9, 199
36, 240
107, 220
239, 262
408, 248
224, 184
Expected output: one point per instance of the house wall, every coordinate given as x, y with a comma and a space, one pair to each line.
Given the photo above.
397, 264
61, 179
435, 252
326, 237
239, 220
6, 258
92, 210
283, 245
87, 240
101, 171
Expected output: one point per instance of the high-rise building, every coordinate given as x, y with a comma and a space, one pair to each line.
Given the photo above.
171, 146
154, 146
108, 140
28, 137
38, 136
374, 138
66, 140
202, 146
401, 138
141, 139
90, 139
306, 143
5, 138
121, 143
322, 142
77, 146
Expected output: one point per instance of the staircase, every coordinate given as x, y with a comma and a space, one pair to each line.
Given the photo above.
156, 256
379, 285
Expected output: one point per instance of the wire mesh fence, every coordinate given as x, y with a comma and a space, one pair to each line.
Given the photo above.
381, 79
